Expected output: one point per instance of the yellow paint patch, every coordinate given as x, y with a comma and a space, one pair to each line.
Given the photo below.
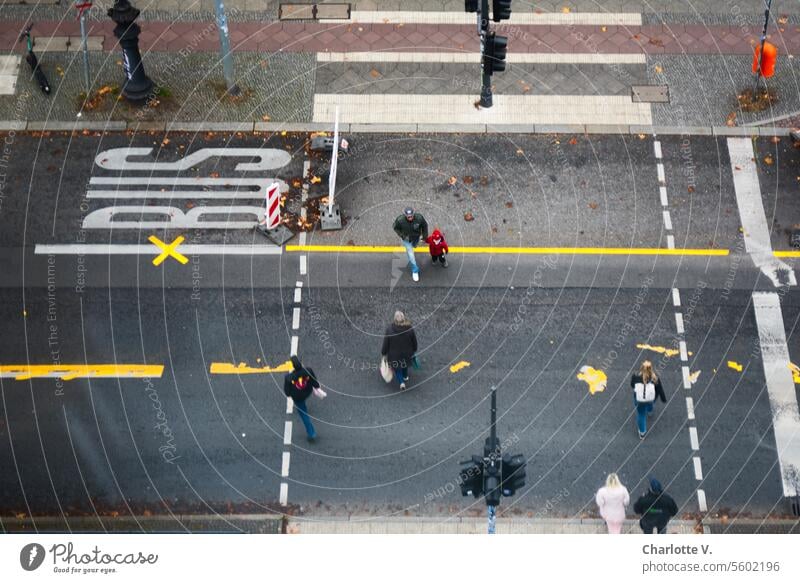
596, 379
458, 366
795, 372
168, 250
668, 352
68, 372
242, 368
735, 366
694, 376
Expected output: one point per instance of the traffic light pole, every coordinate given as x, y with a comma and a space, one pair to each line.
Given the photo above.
486, 84
491, 457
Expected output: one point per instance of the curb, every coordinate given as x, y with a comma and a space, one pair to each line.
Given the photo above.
178, 523
254, 127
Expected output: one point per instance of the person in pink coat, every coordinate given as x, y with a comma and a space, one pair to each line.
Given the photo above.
612, 499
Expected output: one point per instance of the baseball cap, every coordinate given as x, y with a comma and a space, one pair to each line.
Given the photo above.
409, 212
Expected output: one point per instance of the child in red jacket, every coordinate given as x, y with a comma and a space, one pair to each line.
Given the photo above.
438, 247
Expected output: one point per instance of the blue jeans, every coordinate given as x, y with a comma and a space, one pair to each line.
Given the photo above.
401, 374
410, 252
642, 411
302, 410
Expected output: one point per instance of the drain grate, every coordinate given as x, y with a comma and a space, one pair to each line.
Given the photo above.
650, 93
314, 12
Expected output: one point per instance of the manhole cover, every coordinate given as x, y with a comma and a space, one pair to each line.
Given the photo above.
650, 94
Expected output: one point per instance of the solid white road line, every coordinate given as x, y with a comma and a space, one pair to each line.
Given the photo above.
676, 297
295, 318
780, 387
133, 249
693, 440
701, 500
508, 109
287, 433
295, 342
285, 464
751, 212
517, 18
679, 322
690, 408
698, 468
662, 191
474, 58
284, 495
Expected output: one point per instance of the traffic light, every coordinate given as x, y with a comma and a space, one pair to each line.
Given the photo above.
491, 482
494, 56
470, 5
471, 477
501, 10
513, 473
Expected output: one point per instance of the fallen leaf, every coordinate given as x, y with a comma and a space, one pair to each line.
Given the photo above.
769, 161
566, 10
775, 140
730, 121
520, 152
783, 19
573, 141
316, 180
603, 29
468, 180
374, 73
659, 70
265, 117
468, 216
509, 204
690, 189
452, 180
214, 175
592, 205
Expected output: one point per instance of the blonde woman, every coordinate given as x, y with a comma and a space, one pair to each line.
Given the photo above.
612, 499
646, 387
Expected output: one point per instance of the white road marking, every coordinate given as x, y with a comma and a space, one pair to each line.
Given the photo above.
133, 249
303, 265
676, 297
287, 433
9, 71
289, 405
679, 322
173, 217
295, 341
295, 318
297, 295
285, 464
284, 495
662, 190
302, 240
693, 440
701, 500
687, 384
474, 58
684, 352
780, 387
299, 284
698, 469
268, 159
657, 148
660, 170
751, 211
670, 242
667, 220
225, 188
508, 109
517, 18
690, 408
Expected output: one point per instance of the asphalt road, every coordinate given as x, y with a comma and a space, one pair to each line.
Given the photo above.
194, 441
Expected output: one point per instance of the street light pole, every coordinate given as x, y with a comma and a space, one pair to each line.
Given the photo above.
491, 463
225, 46
138, 85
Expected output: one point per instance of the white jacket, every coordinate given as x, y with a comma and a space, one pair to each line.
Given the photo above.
612, 503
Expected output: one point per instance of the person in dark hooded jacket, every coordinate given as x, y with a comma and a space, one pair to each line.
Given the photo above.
399, 347
298, 385
656, 507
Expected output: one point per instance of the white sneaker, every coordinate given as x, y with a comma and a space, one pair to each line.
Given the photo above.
415, 276
402, 386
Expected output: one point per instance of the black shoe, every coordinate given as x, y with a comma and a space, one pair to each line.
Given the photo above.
444, 261
311, 438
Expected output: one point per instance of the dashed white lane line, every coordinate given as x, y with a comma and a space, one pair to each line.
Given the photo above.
667, 220
687, 383
693, 440
295, 342
701, 500
670, 242
295, 318
289, 405
780, 387
662, 191
303, 265
679, 322
284, 495
287, 433
285, 464
684, 352
698, 469
297, 295
660, 170
690, 408
657, 148
299, 284
676, 297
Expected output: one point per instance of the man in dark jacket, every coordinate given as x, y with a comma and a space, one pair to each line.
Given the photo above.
411, 226
656, 508
298, 385
399, 347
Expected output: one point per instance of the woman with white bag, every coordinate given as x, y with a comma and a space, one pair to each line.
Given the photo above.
646, 387
399, 347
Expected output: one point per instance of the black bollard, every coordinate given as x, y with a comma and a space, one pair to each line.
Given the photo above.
138, 86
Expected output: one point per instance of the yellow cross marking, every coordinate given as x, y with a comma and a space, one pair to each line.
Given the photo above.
168, 250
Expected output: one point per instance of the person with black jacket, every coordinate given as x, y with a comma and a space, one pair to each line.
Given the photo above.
411, 226
656, 508
644, 409
298, 385
399, 347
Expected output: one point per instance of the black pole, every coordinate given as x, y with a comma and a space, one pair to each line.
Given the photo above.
486, 83
763, 42
138, 86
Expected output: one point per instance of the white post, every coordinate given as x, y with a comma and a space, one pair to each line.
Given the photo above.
334, 161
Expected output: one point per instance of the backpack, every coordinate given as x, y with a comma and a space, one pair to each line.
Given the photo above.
645, 393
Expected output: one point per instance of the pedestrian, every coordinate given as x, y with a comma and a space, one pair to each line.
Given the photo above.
656, 508
399, 347
298, 385
612, 499
411, 226
438, 247
646, 387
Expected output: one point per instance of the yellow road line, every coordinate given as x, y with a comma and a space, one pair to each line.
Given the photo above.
514, 250
68, 372
242, 368
795, 254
